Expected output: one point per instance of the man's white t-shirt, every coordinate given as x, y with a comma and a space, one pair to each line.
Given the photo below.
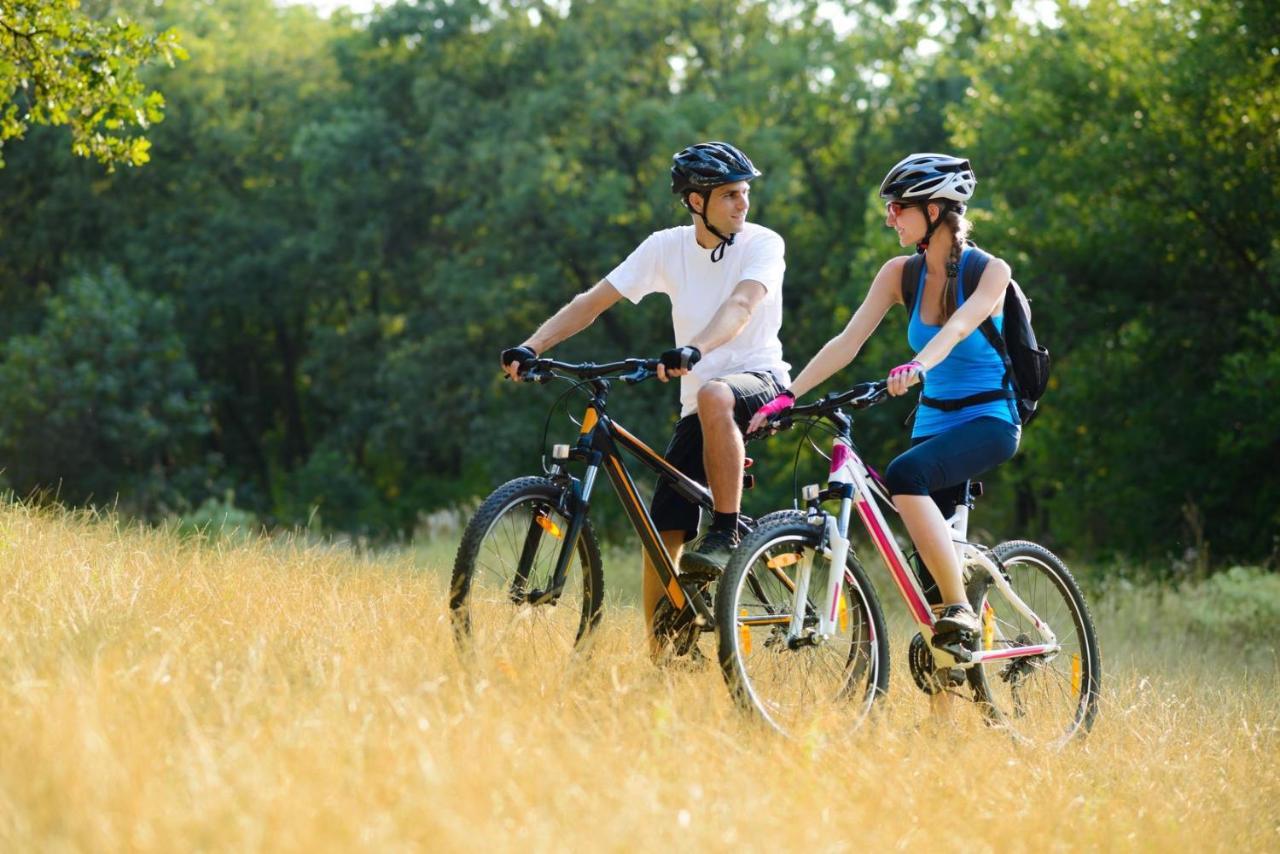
672, 262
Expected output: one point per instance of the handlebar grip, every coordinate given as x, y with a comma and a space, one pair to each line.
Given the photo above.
772, 426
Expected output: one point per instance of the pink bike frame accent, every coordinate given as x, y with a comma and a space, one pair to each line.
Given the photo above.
889, 553
1018, 652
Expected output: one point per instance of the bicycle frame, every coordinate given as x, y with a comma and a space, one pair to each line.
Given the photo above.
859, 488
599, 442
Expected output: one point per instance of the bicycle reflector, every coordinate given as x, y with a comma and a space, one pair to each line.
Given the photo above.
784, 559
811, 492
744, 635
550, 527
559, 452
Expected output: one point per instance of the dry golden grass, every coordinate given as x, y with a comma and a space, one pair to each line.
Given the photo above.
162, 695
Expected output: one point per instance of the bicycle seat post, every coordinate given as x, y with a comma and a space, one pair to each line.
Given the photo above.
959, 524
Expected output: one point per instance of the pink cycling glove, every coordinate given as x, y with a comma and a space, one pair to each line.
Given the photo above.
906, 369
779, 404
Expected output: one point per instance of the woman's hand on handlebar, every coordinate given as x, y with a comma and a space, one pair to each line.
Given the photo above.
904, 377
772, 409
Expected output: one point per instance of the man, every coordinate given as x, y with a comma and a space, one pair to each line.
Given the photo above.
724, 278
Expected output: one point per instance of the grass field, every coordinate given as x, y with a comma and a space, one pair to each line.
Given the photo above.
161, 694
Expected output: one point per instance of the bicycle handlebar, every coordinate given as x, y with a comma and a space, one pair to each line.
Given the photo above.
861, 396
542, 370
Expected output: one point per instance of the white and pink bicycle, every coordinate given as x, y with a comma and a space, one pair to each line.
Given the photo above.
799, 642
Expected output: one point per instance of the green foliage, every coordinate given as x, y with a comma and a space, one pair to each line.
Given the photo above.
1133, 149
102, 401
349, 218
217, 517
1236, 611
62, 66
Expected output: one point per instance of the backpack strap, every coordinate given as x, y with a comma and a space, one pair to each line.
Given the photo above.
972, 266
975, 264
911, 280
951, 405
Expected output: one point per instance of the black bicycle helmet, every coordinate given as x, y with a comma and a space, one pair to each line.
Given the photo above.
707, 165
703, 167
922, 178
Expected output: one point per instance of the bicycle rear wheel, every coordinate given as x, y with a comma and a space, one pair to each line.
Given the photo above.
501, 602
1045, 700
818, 680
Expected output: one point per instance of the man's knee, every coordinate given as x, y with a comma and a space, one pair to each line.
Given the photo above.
906, 476
715, 399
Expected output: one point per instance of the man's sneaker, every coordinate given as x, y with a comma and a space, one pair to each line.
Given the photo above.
705, 560
955, 619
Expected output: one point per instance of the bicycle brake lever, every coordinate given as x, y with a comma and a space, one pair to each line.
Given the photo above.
769, 428
639, 375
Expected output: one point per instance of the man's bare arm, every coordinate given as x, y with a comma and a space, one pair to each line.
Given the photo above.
576, 315
731, 318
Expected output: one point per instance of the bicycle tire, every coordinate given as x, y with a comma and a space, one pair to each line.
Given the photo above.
495, 612
795, 688
1041, 700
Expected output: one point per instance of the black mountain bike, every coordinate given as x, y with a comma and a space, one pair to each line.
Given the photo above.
528, 578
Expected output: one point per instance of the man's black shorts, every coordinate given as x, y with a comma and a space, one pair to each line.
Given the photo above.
672, 512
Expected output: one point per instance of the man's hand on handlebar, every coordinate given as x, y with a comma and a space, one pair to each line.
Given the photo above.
516, 360
677, 362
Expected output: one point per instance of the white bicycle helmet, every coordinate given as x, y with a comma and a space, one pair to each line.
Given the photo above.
929, 177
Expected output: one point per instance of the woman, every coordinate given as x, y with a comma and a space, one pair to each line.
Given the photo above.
925, 196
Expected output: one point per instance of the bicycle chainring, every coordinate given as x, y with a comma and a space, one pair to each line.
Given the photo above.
924, 669
676, 627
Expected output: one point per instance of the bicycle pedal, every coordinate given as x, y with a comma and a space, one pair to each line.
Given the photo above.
955, 644
696, 573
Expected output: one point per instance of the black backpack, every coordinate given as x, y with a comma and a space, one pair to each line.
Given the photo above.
1026, 363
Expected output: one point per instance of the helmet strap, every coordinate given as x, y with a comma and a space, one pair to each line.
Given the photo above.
933, 225
718, 252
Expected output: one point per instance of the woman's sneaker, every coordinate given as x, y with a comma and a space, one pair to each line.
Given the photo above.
957, 619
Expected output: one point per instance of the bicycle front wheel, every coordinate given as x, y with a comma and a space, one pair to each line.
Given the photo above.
1044, 699
502, 600
798, 682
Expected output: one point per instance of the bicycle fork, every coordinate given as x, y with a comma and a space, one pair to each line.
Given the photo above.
834, 547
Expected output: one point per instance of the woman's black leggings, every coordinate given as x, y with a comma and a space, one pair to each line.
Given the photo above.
939, 465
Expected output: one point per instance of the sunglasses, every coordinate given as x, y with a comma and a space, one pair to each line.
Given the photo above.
895, 209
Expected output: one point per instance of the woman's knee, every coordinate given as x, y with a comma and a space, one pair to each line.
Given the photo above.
905, 476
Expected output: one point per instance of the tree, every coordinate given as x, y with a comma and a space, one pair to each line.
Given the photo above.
1133, 150
102, 401
60, 66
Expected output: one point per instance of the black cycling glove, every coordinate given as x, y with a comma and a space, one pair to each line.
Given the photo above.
680, 358
524, 355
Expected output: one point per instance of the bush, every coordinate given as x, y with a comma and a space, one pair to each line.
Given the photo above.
103, 402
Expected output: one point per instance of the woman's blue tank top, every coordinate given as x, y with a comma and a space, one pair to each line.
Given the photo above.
972, 366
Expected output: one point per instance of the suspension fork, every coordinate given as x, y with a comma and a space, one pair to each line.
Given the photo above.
580, 496
834, 546
578, 501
